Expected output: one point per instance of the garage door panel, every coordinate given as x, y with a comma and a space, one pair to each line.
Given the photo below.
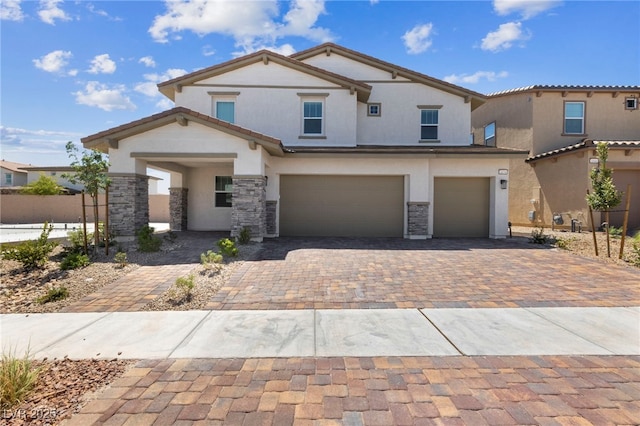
341, 205
461, 207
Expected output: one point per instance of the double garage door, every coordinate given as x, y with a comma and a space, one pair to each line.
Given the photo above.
341, 206
373, 206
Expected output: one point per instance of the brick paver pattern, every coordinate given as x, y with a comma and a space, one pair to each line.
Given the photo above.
558, 390
394, 273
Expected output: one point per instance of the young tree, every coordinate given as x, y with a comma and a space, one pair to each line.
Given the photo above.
90, 170
605, 196
45, 185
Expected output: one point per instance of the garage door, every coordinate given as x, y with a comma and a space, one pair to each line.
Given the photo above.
461, 207
622, 178
350, 206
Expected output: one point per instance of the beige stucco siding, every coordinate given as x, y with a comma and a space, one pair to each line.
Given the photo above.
353, 69
203, 215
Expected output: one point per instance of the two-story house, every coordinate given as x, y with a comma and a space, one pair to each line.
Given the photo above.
325, 142
560, 126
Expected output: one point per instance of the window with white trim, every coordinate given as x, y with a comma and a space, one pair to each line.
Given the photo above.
574, 118
8, 178
631, 103
223, 105
223, 191
312, 118
374, 110
490, 134
428, 124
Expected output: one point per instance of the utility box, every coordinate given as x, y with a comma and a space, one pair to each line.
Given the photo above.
532, 215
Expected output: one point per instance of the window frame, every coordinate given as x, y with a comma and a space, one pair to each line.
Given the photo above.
230, 97
217, 103
321, 118
493, 144
8, 178
228, 192
313, 98
633, 106
436, 109
378, 105
583, 119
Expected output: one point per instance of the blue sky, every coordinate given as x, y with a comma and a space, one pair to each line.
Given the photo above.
70, 69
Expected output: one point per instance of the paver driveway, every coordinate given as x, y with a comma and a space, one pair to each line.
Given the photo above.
394, 273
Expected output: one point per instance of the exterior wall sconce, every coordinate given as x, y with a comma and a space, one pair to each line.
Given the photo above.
503, 183
594, 160
503, 171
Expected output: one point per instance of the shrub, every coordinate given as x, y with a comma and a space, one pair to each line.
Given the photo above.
615, 232
211, 260
53, 295
45, 185
563, 243
18, 377
147, 242
76, 238
33, 253
245, 235
186, 286
538, 236
74, 260
228, 247
121, 259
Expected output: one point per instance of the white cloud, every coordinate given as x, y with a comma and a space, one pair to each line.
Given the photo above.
102, 64
148, 61
207, 50
285, 50
251, 24
10, 10
100, 12
150, 86
55, 62
17, 140
526, 8
475, 77
49, 12
164, 104
418, 39
504, 37
104, 97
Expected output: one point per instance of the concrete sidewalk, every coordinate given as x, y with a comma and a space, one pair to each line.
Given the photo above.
325, 333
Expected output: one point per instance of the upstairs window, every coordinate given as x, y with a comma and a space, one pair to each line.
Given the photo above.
428, 124
223, 191
374, 110
226, 111
312, 118
490, 134
574, 118
631, 103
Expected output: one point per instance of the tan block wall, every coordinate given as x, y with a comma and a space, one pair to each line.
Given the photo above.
65, 208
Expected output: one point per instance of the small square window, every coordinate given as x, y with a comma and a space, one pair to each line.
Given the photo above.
631, 103
374, 110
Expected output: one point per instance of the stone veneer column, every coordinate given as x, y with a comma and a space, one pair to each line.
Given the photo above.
128, 203
271, 217
418, 219
178, 203
249, 206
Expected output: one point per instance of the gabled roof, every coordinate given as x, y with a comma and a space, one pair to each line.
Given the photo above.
558, 88
109, 138
14, 167
475, 98
586, 143
168, 88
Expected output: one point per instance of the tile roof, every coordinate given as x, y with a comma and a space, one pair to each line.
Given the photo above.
586, 143
561, 88
478, 98
100, 140
168, 87
14, 167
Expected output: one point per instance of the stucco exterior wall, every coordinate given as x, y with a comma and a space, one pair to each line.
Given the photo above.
605, 119
203, 215
17, 179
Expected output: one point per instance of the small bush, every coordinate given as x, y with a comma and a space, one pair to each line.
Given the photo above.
18, 377
538, 236
245, 235
76, 238
147, 242
615, 232
211, 260
186, 286
74, 260
121, 259
33, 253
53, 295
563, 243
228, 247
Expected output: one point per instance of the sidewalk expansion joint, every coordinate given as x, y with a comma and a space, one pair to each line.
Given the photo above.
442, 334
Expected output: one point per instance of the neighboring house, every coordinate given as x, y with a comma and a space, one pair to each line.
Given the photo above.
560, 126
325, 142
12, 173
55, 172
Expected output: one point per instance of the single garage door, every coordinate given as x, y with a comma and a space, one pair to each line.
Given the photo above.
335, 206
461, 207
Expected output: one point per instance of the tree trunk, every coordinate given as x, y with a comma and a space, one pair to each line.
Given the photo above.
606, 218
